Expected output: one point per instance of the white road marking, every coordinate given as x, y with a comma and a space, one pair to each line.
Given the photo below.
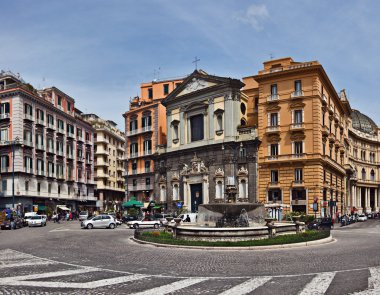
169, 288
374, 279
48, 275
72, 285
247, 286
319, 284
27, 263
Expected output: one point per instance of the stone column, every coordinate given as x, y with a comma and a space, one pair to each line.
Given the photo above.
358, 197
376, 200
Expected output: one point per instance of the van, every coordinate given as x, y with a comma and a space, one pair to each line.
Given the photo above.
193, 217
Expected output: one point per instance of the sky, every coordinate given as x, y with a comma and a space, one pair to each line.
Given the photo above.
100, 51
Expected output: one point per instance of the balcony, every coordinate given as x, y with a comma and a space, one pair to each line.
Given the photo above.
331, 109
120, 168
28, 143
101, 163
40, 172
134, 171
273, 129
28, 117
88, 161
147, 152
61, 130
139, 131
4, 116
40, 147
325, 130
40, 122
297, 94
80, 159
51, 126
273, 184
273, 97
28, 170
51, 174
70, 156
5, 169
102, 140
60, 176
101, 175
60, 107
120, 148
80, 138
70, 134
133, 155
102, 152
297, 127
140, 187
324, 99
299, 156
89, 142
298, 182
60, 153
148, 170
50, 150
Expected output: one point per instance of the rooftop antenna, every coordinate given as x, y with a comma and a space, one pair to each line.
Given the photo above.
196, 59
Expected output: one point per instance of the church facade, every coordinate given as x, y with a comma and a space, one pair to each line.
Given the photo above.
211, 150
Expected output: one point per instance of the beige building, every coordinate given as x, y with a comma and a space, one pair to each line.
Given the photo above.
303, 125
109, 166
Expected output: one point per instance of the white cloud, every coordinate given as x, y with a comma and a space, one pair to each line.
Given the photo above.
254, 15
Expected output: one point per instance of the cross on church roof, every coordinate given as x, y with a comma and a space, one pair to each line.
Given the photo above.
196, 62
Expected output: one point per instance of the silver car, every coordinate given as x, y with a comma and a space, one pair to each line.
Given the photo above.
100, 221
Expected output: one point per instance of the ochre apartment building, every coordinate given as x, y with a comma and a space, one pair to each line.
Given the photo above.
303, 128
145, 125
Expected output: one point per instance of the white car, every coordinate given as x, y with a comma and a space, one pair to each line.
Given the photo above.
100, 221
362, 217
37, 220
145, 222
83, 215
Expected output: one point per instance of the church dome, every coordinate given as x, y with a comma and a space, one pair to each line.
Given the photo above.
363, 123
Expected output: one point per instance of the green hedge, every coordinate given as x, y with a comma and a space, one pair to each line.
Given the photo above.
161, 237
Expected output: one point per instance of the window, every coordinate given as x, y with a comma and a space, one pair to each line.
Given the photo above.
70, 129
40, 115
274, 176
196, 126
146, 122
79, 133
28, 109
243, 189
298, 175
298, 194
273, 90
274, 195
49, 188
274, 150
28, 164
134, 182
59, 100
4, 163
219, 122
50, 145
40, 167
4, 185
274, 119
166, 89
243, 108
177, 84
150, 92
175, 133
4, 108
298, 117
298, 148
372, 175
59, 189
50, 120
38, 187
147, 147
323, 118
147, 181
133, 125
175, 192
4, 134
364, 174
147, 166
133, 149
298, 86
68, 106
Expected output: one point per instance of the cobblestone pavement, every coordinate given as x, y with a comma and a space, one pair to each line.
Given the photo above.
63, 259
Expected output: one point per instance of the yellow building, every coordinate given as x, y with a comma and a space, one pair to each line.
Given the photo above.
109, 163
303, 126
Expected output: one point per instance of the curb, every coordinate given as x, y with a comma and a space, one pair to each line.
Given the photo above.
272, 247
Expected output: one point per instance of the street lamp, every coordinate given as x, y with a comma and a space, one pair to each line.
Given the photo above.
234, 150
13, 143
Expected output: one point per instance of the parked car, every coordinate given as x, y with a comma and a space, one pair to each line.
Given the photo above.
83, 215
27, 216
6, 224
362, 217
144, 222
127, 218
162, 217
321, 223
369, 216
37, 220
99, 221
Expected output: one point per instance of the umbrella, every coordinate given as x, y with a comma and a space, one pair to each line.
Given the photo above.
133, 203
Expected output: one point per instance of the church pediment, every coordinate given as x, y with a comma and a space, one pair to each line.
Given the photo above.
198, 82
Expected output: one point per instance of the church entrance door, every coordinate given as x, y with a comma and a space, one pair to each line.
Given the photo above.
196, 196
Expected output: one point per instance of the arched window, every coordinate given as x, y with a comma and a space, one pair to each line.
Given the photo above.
219, 190
163, 193
175, 192
363, 174
243, 122
243, 108
372, 175
243, 189
219, 120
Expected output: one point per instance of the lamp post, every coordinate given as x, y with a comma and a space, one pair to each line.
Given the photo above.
234, 150
13, 142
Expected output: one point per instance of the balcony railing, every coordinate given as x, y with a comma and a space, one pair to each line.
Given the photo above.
140, 187
40, 146
60, 176
4, 169
28, 170
51, 126
70, 134
60, 153
133, 155
61, 130
140, 130
51, 150
147, 170
40, 172
88, 142
51, 174
134, 171
298, 93
80, 138
147, 152
4, 116
88, 161
70, 156
273, 97
28, 117
273, 129
297, 126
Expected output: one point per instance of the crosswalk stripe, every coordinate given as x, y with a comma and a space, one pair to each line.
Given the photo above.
374, 279
172, 287
72, 285
26, 263
247, 286
47, 275
319, 284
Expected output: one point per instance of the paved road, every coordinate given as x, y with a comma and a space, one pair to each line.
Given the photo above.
63, 259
